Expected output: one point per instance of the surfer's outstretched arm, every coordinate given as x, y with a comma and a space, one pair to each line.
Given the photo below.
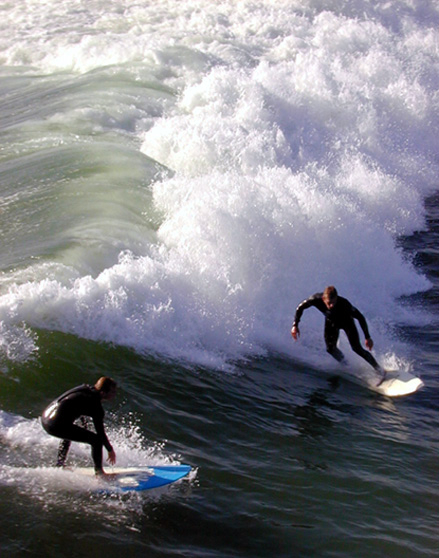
314, 300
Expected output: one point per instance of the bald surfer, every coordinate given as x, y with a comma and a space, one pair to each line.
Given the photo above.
83, 401
339, 314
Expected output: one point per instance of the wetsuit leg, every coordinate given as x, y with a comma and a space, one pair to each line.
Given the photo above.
64, 446
63, 450
71, 432
78, 434
331, 338
354, 341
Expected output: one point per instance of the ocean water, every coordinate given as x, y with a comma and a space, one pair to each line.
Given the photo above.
175, 177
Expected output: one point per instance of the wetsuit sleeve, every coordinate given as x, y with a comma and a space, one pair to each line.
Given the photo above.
362, 321
311, 301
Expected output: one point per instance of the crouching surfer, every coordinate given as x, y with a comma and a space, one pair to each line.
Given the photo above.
339, 314
83, 401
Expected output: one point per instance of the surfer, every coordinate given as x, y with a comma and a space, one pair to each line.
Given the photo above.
82, 401
340, 314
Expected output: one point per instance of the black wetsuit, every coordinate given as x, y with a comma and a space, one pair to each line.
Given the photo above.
59, 417
340, 316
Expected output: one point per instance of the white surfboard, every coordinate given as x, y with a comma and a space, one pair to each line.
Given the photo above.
397, 384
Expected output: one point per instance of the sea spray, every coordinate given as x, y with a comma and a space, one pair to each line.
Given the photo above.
276, 159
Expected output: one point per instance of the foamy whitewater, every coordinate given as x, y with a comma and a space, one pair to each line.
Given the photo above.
221, 163
177, 175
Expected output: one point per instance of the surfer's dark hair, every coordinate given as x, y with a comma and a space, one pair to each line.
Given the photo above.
105, 384
330, 293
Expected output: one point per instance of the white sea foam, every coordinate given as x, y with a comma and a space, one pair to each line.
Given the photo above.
34, 446
27, 450
301, 143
